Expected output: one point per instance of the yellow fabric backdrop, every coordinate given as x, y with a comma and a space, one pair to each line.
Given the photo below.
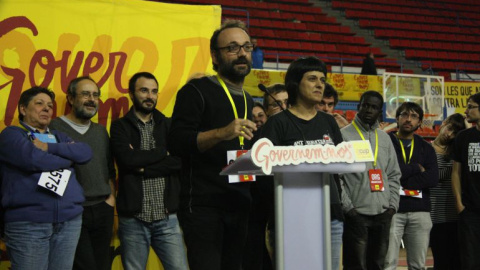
49, 42
349, 86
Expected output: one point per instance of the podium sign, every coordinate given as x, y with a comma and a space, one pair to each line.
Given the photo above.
302, 195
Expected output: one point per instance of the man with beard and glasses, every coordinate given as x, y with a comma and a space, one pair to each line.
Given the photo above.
149, 185
370, 198
96, 177
211, 117
418, 163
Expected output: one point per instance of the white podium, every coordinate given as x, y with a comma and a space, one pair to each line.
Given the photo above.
302, 210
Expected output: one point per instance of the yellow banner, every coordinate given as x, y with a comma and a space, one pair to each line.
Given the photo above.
456, 95
349, 86
50, 42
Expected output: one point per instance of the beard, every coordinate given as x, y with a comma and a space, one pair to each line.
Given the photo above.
81, 113
138, 105
232, 73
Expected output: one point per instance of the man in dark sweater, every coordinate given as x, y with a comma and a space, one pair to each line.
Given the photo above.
212, 116
96, 177
418, 163
148, 186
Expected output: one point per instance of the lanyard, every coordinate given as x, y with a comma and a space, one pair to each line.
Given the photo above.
403, 151
376, 142
30, 131
26, 127
222, 83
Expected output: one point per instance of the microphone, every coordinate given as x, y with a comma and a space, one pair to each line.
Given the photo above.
265, 90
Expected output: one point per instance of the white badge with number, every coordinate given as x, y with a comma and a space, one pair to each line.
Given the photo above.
55, 181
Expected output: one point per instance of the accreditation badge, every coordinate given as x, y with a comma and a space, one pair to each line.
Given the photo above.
231, 157
376, 180
411, 193
55, 181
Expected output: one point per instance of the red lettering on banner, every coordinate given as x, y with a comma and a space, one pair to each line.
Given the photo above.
91, 67
338, 80
115, 106
16, 74
262, 76
362, 82
41, 66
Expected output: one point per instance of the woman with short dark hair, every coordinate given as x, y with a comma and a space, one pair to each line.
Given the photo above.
302, 124
41, 198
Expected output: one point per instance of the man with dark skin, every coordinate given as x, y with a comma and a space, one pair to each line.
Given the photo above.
369, 198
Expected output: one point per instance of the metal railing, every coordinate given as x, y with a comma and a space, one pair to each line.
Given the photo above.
340, 60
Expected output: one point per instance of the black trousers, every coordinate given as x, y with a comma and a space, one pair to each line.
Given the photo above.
93, 249
365, 241
469, 239
215, 238
444, 244
255, 256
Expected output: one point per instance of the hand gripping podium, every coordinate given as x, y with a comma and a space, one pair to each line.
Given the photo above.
302, 209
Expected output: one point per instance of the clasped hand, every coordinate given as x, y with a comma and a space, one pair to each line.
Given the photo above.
236, 128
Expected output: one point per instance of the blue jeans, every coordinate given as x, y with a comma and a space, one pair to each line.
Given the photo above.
336, 234
42, 246
164, 236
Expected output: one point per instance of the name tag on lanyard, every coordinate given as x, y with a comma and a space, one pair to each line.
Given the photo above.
231, 157
411, 193
376, 180
45, 137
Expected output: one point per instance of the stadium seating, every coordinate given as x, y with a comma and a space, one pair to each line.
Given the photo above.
443, 34
287, 29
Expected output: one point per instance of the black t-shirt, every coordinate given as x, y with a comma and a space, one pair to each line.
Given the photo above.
321, 129
467, 152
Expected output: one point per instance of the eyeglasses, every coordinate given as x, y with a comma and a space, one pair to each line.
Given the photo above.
469, 107
86, 94
235, 48
279, 103
406, 115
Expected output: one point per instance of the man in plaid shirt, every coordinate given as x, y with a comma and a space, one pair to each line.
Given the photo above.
148, 181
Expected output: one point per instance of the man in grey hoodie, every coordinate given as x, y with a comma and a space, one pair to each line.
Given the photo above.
369, 198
